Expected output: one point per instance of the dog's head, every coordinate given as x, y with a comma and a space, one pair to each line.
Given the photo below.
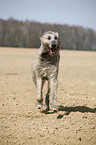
50, 41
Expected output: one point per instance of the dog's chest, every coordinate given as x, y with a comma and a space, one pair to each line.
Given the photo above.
47, 70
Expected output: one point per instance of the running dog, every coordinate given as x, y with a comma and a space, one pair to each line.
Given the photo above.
45, 68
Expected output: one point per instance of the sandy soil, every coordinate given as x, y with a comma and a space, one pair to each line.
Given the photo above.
22, 124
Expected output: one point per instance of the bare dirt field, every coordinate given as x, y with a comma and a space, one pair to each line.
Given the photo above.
22, 124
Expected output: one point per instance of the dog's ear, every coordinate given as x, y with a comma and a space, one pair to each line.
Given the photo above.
41, 38
41, 41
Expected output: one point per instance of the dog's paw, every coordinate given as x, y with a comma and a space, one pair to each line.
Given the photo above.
54, 109
39, 106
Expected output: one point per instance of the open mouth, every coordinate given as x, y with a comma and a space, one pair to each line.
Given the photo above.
52, 51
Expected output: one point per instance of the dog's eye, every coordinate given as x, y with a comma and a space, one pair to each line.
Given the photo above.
56, 37
49, 37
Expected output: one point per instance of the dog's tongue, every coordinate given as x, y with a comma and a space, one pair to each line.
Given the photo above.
52, 50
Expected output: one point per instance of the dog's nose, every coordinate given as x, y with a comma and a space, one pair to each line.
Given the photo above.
53, 44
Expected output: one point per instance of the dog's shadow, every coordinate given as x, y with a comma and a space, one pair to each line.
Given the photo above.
68, 110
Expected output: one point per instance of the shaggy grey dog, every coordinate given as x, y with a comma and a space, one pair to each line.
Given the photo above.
45, 67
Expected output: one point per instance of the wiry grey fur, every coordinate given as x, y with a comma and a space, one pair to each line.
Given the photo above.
45, 67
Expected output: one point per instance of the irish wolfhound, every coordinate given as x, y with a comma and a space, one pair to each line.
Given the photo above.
45, 67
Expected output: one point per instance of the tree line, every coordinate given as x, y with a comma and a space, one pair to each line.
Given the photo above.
14, 33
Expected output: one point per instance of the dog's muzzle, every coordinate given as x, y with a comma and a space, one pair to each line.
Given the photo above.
53, 44
53, 48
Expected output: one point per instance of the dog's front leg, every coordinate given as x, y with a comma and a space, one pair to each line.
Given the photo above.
53, 94
40, 84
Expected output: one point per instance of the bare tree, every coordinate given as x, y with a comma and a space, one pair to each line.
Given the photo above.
27, 34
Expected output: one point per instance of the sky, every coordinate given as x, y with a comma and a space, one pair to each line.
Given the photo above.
71, 12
